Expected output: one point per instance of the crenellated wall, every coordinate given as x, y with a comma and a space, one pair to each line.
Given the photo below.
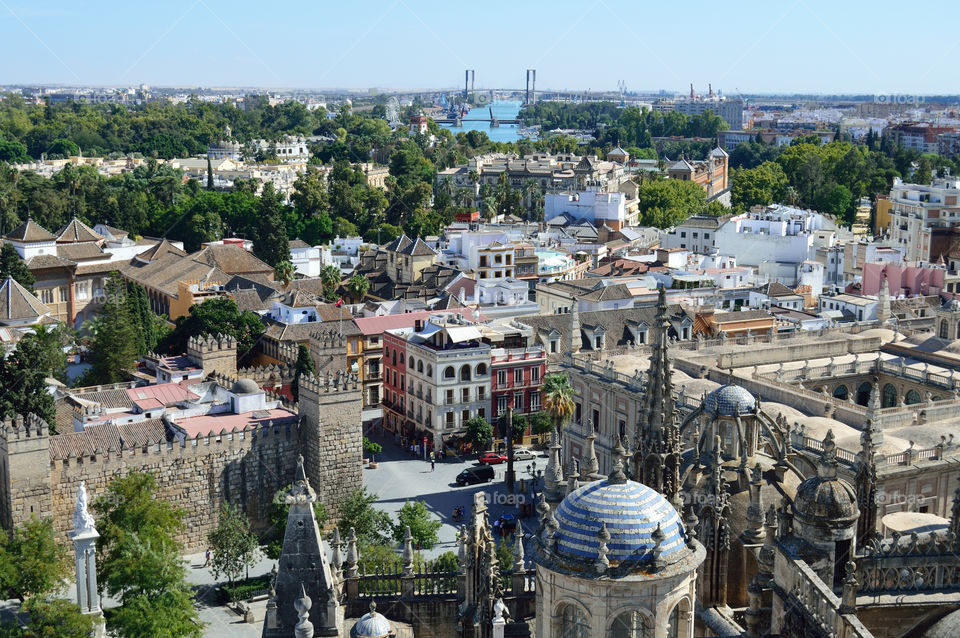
40, 473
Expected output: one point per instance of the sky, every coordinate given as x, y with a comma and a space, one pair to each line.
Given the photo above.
779, 46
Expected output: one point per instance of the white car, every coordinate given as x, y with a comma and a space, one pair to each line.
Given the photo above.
522, 454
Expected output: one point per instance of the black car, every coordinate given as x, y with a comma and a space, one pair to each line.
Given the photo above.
477, 474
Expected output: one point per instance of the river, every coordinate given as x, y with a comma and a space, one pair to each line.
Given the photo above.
507, 110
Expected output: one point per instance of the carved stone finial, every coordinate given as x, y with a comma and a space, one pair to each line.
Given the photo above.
603, 536
303, 628
407, 552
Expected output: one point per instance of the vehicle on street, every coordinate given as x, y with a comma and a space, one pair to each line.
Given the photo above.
523, 454
476, 474
492, 458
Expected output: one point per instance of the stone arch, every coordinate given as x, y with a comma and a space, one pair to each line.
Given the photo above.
863, 393
632, 623
841, 392
889, 396
678, 618
572, 620
912, 397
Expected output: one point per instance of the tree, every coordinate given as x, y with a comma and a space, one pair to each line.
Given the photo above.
32, 562
541, 423
147, 324
277, 519
138, 560
372, 526
330, 278
359, 286
170, 614
234, 545
558, 399
23, 376
216, 316
113, 351
518, 425
423, 526
764, 185
271, 243
12, 266
667, 202
209, 174
284, 272
479, 432
372, 448
305, 366
56, 618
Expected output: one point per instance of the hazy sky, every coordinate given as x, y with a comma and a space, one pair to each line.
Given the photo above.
817, 46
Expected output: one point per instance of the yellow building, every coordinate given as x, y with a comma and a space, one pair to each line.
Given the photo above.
193, 292
881, 220
407, 258
495, 261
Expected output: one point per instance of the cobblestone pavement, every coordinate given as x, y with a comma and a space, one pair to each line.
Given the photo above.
400, 477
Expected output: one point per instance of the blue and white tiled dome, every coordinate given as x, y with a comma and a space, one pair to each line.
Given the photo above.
729, 400
631, 512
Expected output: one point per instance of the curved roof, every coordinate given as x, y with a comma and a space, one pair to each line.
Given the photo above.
831, 500
245, 386
631, 512
371, 625
946, 627
730, 400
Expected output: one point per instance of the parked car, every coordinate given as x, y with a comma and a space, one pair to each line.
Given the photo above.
476, 474
523, 454
492, 458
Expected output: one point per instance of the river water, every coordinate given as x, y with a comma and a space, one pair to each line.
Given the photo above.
506, 110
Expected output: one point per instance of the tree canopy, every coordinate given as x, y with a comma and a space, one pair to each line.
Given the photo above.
215, 316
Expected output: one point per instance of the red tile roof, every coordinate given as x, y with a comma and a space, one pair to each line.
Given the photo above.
214, 424
378, 325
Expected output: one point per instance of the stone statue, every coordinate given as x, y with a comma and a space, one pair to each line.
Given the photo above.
82, 520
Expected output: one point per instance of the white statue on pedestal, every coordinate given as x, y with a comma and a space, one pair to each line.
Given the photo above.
82, 520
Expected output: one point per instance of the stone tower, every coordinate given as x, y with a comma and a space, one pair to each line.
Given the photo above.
328, 349
656, 461
215, 354
24, 470
331, 436
574, 339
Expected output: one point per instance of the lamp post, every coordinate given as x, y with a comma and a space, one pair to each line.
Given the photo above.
507, 431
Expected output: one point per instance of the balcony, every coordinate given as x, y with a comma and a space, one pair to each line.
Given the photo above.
373, 375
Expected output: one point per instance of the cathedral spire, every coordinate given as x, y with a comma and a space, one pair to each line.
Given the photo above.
659, 404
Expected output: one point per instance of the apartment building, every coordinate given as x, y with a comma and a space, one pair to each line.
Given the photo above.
923, 217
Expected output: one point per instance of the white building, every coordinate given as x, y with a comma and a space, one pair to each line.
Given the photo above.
848, 307
778, 234
592, 205
698, 234
918, 212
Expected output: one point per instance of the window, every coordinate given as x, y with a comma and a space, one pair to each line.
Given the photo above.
706, 235
695, 235
501, 377
573, 623
449, 373
535, 374
498, 259
501, 404
481, 413
518, 401
429, 371
518, 376
630, 624
483, 261
449, 397
465, 417
596, 420
464, 372
534, 401
401, 358
412, 363
481, 369
465, 395
577, 413
420, 366
449, 419
683, 234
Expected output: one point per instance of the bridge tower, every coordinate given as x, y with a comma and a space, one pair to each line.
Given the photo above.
531, 94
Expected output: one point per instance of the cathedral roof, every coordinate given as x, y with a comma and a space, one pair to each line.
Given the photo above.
631, 512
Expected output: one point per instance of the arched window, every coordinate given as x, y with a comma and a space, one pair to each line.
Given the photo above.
841, 392
889, 395
481, 369
429, 371
573, 622
863, 393
912, 397
449, 373
943, 328
630, 624
673, 624
464, 372
420, 366
394, 357
412, 363
401, 358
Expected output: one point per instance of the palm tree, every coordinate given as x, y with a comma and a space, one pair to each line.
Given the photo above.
330, 277
359, 286
558, 399
284, 272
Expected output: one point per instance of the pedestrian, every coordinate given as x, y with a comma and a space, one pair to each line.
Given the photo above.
433, 465
207, 562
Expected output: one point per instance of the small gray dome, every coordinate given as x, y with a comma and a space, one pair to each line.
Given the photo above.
946, 627
245, 386
826, 499
729, 400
